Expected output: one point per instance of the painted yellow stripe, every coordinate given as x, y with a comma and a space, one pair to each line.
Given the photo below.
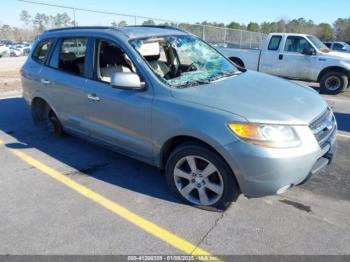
119, 210
343, 135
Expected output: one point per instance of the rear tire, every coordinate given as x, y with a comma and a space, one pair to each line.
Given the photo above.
334, 82
54, 125
200, 177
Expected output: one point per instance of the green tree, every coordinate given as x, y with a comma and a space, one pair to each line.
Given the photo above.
122, 23
325, 32
253, 27
25, 17
280, 26
61, 20
6, 32
41, 22
234, 25
342, 29
266, 27
149, 22
119, 24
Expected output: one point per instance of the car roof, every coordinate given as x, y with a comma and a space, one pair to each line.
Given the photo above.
129, 32
149, 31
290, 34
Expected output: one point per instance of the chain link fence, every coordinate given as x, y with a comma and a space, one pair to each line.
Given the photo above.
217, 36
226, 37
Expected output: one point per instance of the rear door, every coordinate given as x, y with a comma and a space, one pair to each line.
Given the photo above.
270, 56
65, 78
32, 69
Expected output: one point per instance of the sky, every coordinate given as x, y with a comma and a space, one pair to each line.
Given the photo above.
186, 10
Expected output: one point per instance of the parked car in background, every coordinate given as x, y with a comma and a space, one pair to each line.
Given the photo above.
166, 97
26, 50
9, 48
14, 52
6, 42
338, 46
297, 56
4, 50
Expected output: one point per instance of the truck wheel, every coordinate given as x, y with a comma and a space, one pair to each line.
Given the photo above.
334, 82
200, 177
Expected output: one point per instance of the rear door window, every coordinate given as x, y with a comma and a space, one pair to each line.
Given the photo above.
275, 42
41, 51
72, 56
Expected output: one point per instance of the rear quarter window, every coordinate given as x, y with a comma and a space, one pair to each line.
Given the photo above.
275, 42
41, 51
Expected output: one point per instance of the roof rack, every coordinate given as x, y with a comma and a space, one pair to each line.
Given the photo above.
160, 26
115, 28
81, 27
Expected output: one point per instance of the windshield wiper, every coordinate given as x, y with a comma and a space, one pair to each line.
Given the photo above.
207, 80
193, 83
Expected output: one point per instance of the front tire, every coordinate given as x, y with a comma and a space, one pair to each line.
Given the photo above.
334, 82
200, 177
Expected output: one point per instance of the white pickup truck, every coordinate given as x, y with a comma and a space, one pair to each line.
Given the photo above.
296, 56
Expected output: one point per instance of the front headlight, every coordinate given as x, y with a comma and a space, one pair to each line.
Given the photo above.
268, 135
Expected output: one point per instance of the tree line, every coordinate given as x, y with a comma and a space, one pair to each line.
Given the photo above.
33, 25
339, 30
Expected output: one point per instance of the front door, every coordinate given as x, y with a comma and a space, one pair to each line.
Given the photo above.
292, 63
119, 117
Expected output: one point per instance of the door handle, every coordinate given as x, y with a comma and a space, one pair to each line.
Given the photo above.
93, 97
45, 82
280, 57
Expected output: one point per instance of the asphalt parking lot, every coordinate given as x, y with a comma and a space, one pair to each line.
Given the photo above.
67, 196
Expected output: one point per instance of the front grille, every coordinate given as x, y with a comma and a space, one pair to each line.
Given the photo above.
323, 126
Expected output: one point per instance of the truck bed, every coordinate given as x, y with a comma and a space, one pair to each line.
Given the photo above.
249, 57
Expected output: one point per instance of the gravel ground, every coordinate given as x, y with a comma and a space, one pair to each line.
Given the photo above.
9, 74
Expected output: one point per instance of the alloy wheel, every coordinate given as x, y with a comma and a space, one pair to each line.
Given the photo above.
198, 180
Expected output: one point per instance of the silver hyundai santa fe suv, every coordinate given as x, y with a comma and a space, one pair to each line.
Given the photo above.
165, 97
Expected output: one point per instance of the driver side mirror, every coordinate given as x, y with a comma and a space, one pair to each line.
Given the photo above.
309, 51
126, 81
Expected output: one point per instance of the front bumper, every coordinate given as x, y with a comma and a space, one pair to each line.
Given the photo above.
267, 171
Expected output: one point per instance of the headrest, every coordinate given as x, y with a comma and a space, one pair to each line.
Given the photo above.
112, 55
68, 56
150, 51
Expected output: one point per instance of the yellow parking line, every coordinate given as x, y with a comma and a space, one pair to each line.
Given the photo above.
343, 135
117, 209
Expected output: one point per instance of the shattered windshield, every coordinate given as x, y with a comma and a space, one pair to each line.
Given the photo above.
183, 61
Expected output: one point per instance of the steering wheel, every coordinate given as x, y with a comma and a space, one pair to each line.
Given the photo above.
191, 67
173, 72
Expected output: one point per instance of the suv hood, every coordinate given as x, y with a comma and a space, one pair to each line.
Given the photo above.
259, 98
